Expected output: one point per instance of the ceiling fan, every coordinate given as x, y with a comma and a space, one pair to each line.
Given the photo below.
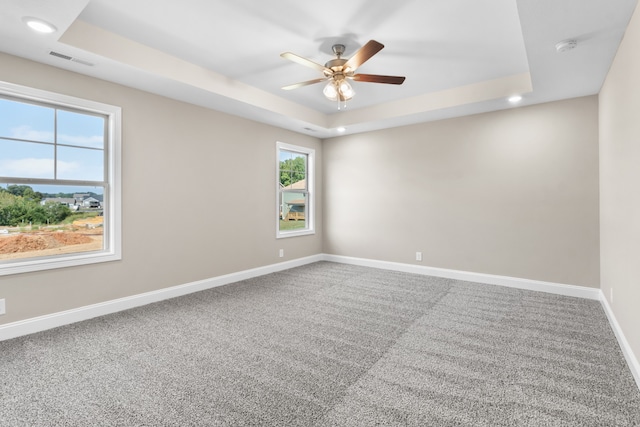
338, 71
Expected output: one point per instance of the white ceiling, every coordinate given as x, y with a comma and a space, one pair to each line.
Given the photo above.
460, 57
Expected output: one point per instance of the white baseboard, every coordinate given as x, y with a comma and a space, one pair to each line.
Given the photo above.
513, 282
490, 279
42, 323
632, 360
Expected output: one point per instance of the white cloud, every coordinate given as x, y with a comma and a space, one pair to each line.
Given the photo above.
28, 168
66, 168
25, 132
35, 168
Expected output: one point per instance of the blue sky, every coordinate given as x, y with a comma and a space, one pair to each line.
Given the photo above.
27, 132
287, 155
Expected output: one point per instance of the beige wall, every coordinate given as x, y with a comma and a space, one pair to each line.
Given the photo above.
511, 193
198, 198
620, 185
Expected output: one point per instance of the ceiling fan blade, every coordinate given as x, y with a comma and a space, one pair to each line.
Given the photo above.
307, 83
375, 78
304, 61
361, 56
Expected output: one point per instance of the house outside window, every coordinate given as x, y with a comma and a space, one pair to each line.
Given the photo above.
59, 180
295, 190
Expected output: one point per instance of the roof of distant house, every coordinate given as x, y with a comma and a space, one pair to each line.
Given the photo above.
299, 185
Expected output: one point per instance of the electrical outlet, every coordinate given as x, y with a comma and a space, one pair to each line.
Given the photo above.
2, 307
281, 253
418, 256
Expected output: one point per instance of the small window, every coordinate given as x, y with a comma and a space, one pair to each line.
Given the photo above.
59, 180
295, 200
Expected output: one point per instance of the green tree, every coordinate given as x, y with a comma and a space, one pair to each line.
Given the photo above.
19, 190
56, 212
24, 191
29, 194
292, 170
16, 210
13, 209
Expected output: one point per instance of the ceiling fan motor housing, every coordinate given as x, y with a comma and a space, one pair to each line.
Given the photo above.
336, 65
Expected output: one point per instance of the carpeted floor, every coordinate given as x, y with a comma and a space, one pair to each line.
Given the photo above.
328, 345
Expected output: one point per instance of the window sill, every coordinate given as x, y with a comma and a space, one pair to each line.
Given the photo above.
30, 265
285, 234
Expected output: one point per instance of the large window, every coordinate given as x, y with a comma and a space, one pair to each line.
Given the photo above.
59, 180
295, 190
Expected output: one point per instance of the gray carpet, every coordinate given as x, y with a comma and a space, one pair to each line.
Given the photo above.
328, 345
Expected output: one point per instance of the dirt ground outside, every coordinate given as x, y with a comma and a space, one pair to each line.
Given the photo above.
82, 236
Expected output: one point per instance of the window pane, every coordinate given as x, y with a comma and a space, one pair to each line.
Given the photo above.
293, 169
80, 164
293, 211
285, 155
80, 129
295, 185
26, 159
26, 121
49, 220
54, 181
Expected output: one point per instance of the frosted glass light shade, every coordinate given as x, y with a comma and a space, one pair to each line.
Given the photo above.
330, 91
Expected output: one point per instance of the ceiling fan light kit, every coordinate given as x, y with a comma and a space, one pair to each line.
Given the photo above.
338, 71
338, 90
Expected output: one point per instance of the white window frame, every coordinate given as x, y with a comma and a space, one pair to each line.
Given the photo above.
310, 208
112, 247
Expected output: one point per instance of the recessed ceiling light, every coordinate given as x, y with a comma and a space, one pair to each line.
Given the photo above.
515, 99
341, 129
39, 25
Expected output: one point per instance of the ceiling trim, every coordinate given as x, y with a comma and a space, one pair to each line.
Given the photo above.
98, 41
90, 38
500, 88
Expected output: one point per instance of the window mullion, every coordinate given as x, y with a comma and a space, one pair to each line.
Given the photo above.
55, 144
